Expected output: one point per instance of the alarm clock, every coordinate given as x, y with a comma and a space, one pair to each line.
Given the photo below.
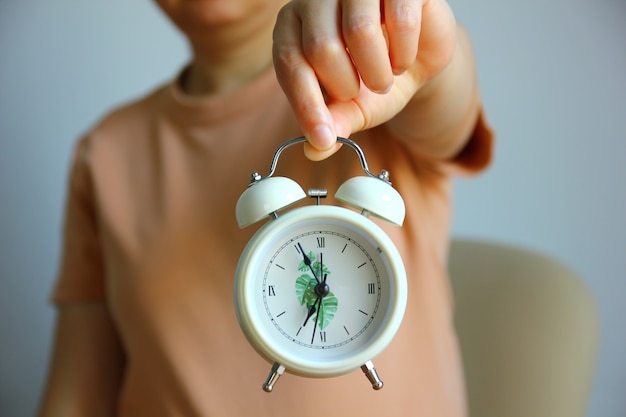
320, 290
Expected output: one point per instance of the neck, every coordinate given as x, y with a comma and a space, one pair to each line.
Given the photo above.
229, 57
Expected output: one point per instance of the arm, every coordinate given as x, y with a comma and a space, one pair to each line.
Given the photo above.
347, 67
442, 114
87, 364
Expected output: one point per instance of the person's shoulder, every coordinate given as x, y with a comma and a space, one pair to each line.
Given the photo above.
124, 130
132, 115
122, 134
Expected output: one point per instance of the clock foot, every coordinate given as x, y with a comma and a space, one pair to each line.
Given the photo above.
371, 374
275, 373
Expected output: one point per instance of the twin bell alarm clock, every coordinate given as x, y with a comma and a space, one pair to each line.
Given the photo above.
320, 290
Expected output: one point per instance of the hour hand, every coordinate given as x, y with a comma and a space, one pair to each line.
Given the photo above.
307, 262
309, 314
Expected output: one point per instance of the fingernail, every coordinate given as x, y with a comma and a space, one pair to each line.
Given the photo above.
322, 137
386, 90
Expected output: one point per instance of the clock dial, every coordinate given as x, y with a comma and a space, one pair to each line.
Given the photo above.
322, 288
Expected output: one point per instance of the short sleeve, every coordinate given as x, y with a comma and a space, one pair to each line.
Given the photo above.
81, 275
476, 155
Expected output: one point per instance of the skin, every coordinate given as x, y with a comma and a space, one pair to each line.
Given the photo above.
427, 69
345, 66
333, 63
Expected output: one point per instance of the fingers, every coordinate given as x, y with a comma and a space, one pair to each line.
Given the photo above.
300, 83
402, 20
437, 38
321, 54
326, 52
318, 155
365, 42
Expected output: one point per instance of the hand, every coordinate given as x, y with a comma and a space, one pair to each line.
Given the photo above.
348, 65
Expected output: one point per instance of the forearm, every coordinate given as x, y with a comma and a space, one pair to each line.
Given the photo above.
440, 117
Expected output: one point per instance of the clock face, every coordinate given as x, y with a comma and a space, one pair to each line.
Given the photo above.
322, 287
322, 290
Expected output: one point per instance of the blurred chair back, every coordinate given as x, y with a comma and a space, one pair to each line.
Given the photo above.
528, 330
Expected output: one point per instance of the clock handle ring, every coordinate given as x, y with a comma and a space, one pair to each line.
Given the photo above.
384, 175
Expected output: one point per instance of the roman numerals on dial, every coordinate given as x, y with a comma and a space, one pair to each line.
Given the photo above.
322, 288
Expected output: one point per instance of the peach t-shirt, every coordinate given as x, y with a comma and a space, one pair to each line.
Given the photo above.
150, 230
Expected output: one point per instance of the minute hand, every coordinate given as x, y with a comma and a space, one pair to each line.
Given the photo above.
322, 291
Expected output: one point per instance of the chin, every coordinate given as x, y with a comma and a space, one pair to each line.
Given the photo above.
192, 16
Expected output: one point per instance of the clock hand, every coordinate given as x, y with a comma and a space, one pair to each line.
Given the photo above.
321, 290
310, 313
307, 262
321, 294
318, 301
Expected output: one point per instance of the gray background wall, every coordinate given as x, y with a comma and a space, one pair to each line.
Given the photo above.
553, 76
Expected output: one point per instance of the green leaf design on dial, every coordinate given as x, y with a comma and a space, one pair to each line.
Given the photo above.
328, 308
317, 266
305, 291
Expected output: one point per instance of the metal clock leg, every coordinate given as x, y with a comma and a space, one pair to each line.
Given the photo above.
371, 374
275, 373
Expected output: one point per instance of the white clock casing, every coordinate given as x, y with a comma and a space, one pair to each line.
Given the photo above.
368, 280
325, 267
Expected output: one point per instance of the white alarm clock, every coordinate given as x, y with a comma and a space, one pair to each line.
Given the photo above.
320, 290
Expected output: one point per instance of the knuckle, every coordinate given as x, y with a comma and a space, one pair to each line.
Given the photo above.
286, 60
361, 28
322, 48
404, 18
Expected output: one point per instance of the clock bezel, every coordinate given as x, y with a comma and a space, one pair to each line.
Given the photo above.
250, 270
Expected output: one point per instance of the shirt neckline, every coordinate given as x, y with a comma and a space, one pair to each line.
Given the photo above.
211, 109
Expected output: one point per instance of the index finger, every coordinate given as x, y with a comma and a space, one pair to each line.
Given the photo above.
300, 84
